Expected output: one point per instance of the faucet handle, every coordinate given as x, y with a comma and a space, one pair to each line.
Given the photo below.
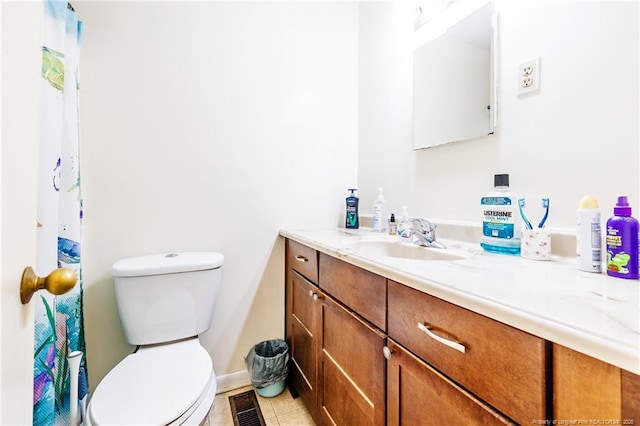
423, 224
424, 233
425, 227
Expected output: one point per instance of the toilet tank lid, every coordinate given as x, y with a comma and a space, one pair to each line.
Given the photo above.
167, 263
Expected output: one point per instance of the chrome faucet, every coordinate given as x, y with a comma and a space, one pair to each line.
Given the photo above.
423, 233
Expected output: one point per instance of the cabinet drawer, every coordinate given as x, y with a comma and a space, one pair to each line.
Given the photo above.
504, 366
302, 259
362, 291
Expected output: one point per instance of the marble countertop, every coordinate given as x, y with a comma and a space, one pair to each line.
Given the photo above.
591, 313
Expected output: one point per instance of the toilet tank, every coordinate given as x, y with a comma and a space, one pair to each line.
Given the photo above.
165, 297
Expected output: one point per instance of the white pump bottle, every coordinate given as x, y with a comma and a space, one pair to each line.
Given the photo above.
379, 213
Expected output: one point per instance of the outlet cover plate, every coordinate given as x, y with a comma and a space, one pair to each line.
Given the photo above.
529, 76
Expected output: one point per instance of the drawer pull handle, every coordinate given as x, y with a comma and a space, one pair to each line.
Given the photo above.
302, 259
314, 295
454, 345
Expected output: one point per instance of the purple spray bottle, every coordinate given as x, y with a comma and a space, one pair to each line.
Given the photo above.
622, 242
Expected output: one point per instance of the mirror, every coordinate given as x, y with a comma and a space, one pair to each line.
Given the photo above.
453, 79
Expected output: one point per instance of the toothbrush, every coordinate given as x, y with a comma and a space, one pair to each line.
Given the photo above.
521, 204
545, 205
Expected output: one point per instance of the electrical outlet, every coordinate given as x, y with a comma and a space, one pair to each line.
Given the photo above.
529, 76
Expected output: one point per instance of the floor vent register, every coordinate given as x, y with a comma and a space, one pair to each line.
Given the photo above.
245, 409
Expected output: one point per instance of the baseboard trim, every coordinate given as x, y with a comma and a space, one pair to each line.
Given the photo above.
233, 381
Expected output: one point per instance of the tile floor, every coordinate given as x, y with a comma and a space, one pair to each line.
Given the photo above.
281, 410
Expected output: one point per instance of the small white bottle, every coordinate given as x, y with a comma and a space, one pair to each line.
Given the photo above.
404, 224
393, 225
379, 213
588, 235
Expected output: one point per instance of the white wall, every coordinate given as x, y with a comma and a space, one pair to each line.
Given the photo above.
577, 136
210, 126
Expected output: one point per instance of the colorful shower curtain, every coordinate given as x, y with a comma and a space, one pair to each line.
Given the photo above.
58, 319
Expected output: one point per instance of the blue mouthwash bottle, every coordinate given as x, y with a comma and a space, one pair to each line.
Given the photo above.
352, 221
500, 221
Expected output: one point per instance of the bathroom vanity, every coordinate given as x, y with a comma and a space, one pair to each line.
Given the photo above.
480, 339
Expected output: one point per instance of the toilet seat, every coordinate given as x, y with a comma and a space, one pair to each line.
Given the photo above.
159, 384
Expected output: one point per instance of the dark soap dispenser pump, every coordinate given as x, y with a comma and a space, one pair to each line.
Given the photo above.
352, 221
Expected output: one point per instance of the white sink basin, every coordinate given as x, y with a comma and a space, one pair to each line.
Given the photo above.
403, 250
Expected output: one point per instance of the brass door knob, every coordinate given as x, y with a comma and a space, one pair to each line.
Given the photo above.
59, 281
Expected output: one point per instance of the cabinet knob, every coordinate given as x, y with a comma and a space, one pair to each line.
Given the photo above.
387, 352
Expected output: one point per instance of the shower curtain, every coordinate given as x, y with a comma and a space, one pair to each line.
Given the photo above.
58, 319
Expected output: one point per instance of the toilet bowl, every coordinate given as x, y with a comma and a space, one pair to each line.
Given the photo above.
164, 302
162, 385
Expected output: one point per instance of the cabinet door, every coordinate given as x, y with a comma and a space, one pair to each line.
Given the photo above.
303, 300
419, 395
352, 386
630, 398
586, 388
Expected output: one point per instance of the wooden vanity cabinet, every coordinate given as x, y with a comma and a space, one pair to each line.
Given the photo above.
499, 364
337, 362
585, 388
447, 365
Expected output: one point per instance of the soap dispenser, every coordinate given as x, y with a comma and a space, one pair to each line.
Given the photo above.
404, 224
352, 221
379, 214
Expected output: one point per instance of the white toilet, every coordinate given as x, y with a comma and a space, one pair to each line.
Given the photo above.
165, 301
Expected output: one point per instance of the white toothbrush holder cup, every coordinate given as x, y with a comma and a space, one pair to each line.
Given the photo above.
535, 244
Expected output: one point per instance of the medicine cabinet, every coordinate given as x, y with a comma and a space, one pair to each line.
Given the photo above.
454, 77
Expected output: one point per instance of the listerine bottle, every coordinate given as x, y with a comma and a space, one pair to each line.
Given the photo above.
500, 222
